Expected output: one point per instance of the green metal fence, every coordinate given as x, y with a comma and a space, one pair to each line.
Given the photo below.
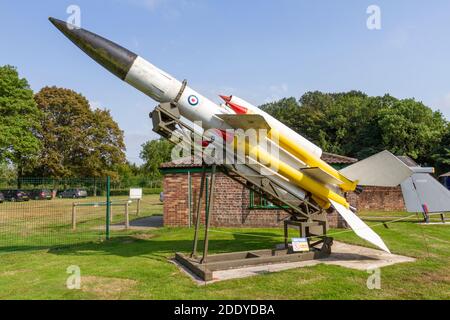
55, 215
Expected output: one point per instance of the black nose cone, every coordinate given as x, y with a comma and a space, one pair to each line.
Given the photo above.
110, 55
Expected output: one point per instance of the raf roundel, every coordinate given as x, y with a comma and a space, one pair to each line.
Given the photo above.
193, 100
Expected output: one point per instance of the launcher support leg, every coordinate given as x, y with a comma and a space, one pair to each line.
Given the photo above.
209, 205
198, 217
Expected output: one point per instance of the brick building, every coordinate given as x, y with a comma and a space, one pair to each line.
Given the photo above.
236, 206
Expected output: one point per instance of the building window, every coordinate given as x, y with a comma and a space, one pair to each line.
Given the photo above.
258, 201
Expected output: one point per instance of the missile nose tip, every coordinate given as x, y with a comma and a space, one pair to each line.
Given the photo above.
110, 55
58, 23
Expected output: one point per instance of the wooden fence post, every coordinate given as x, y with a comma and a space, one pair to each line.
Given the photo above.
74, 216
127, 218
138, 209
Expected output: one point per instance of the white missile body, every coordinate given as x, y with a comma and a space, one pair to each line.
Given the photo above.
193, 106
162, 87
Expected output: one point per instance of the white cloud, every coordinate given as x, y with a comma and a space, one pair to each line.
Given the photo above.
400, 37
445, 101
133, 142
148, 4
136, 42
95, 104
277, 92
443, 104
169, 9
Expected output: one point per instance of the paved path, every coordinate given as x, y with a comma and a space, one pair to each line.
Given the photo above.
145, 223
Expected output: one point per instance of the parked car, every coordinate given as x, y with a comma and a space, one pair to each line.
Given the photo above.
2, 197
73, 193
15, 195
40, 194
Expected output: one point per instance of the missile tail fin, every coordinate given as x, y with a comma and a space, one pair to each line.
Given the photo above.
360, 228
382, 169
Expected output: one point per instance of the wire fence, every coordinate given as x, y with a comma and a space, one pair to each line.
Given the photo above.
38, 213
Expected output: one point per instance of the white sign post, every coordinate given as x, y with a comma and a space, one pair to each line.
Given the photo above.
136, 194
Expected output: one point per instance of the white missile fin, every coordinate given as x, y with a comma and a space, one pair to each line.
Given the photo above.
245, 121
360, 228
382, 169
320, 175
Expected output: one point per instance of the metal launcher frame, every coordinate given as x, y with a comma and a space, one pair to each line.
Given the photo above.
304, 214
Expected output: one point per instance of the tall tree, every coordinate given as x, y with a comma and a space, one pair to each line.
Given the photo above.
154, 153
410, 128
77, 141
106, 146
19, 121
441, 153
354, 124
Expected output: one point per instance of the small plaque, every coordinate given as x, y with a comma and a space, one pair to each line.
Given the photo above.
300, 244
135, 193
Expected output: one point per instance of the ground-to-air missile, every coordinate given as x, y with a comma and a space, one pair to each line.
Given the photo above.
298, 167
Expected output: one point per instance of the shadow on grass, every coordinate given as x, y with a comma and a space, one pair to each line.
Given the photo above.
156, 246
160, 249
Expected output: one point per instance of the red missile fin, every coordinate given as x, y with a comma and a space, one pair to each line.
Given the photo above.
237, 108
226, 98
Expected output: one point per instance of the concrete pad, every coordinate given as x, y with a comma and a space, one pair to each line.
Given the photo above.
344, 255
145, 223
434, 224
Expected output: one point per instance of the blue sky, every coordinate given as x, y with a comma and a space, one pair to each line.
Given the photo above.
259, 50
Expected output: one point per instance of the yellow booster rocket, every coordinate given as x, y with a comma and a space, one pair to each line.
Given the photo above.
316, 176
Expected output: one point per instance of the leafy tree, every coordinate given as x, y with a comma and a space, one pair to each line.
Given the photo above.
441, 153
411, 128
106, 146
154, 153
284, 110
128, 173
77, 141
8, 173
354, 124
19, 121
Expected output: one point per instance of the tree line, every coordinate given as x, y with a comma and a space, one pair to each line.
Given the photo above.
56, 133
357, 125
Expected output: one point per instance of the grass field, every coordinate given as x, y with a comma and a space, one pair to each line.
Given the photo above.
35, 224
135, 265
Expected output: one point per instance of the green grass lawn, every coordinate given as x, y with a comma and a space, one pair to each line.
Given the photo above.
135, 265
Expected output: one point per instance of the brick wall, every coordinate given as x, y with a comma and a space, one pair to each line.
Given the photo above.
378, 199
230, 208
